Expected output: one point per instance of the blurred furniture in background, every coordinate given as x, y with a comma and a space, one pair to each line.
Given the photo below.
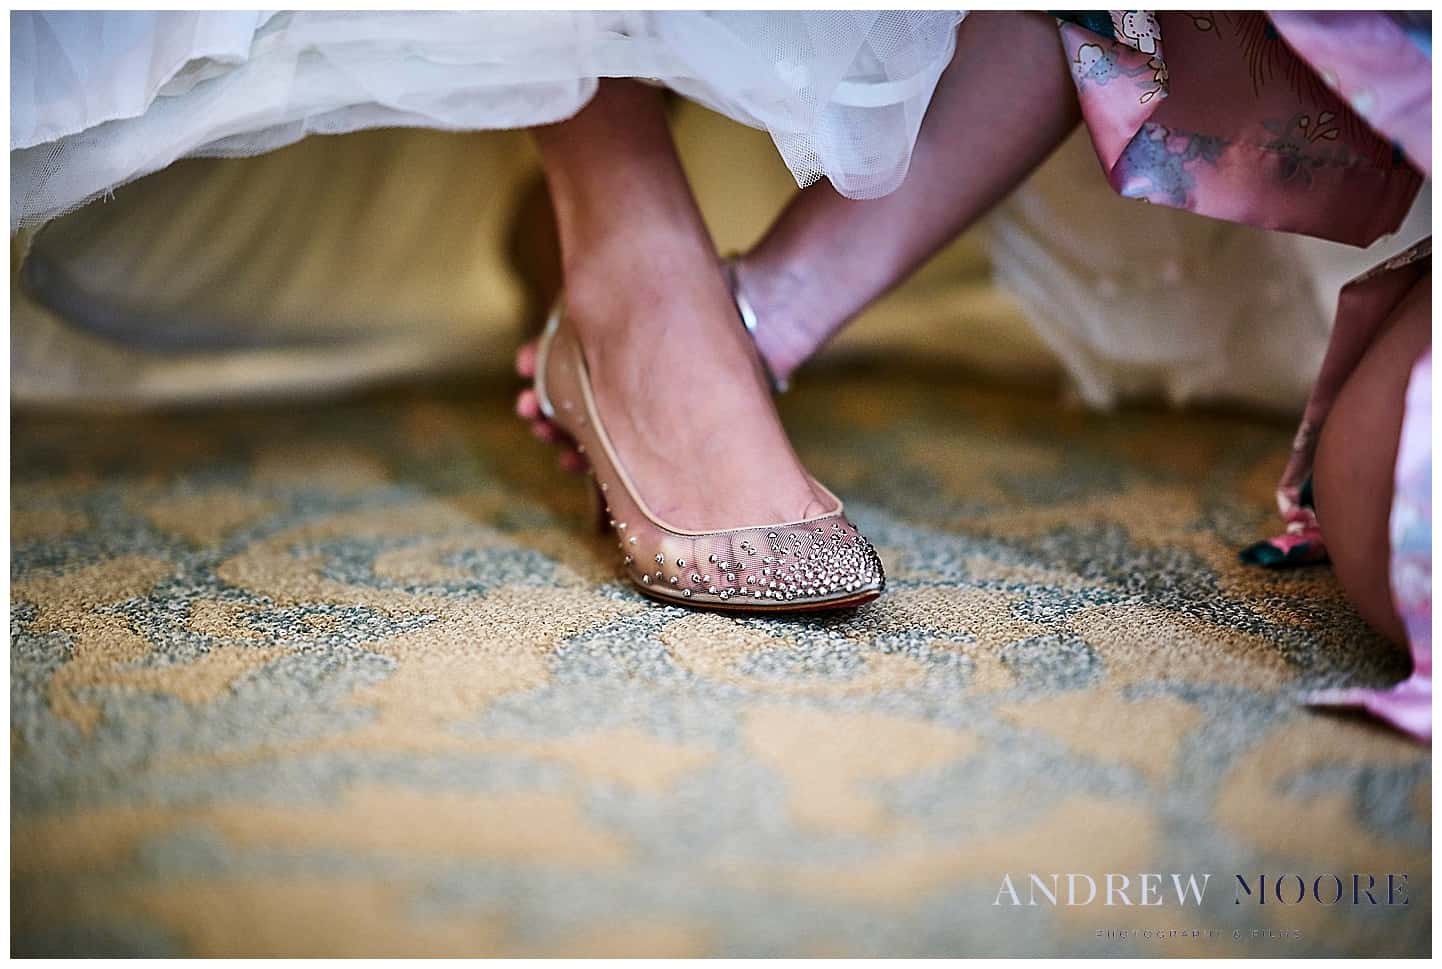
378, 255
403, 253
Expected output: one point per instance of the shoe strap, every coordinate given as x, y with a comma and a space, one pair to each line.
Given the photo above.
750, 321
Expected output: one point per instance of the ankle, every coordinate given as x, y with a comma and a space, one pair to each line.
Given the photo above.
794, 312
601, 236
640, 270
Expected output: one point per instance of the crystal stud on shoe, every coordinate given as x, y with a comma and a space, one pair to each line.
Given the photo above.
820, 563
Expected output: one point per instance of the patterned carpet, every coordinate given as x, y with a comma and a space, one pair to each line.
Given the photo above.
342, 679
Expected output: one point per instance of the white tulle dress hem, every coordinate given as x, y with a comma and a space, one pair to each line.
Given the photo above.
99, 99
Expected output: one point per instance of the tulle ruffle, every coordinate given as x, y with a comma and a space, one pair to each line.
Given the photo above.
99, 99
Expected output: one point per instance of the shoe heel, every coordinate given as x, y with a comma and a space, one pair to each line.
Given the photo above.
602, 516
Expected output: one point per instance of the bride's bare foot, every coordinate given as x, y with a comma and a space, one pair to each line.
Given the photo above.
676, 379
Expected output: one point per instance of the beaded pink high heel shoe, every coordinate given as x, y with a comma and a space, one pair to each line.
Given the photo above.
820, 563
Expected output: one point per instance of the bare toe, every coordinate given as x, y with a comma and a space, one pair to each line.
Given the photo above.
528, 405
526, 360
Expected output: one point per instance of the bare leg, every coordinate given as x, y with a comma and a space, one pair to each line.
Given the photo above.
1356, 457
677, 381
1005, 103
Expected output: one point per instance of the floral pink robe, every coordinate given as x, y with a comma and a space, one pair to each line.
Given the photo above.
1315, 123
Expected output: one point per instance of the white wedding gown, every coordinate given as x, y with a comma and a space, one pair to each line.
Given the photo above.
100, 99
1148, 301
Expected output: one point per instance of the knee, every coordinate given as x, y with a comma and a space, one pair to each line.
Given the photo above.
1354, 467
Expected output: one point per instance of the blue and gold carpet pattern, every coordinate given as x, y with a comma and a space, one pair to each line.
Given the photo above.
348, 679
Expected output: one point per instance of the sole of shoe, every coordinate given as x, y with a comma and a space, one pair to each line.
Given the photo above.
851, 602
